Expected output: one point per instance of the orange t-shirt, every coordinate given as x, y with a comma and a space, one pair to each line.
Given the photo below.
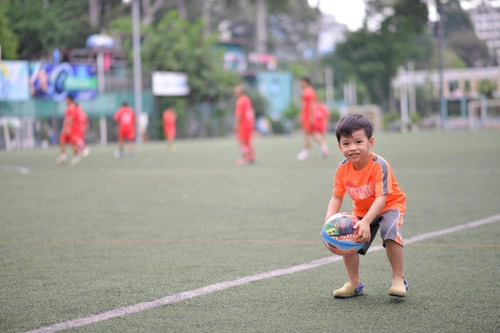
320, 112
169, 118
245, 113
375, 179
72, 114
126, 118
308, 98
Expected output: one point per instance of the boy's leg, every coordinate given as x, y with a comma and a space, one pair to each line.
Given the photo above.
393, 242
354, 287
395, 255
351, 263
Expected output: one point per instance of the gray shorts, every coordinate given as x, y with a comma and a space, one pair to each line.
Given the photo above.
389, 223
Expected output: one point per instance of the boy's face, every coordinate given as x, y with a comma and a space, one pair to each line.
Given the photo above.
356, 148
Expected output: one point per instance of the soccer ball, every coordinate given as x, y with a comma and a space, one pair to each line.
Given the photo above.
339, 236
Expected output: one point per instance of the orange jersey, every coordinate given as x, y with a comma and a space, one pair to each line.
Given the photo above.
308, 98
125, 116
71, 116
244, 113
375, 179
169, 118
320, 112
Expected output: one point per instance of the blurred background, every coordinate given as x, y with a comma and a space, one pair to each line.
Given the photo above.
411, 65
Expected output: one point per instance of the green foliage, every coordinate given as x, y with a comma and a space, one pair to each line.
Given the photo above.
291, 112
8, 38
64, 24
455, 19
487, 88
176, 45
390, 119
372, 58
471, 49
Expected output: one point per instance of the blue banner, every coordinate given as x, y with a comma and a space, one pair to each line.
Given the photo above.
56, 81
14, 81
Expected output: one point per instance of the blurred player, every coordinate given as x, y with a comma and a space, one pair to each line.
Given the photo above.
244, 118
84, 124
169, 128
125, 116
70, 132
307, 117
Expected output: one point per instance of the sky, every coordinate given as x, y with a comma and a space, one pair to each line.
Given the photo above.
352, 12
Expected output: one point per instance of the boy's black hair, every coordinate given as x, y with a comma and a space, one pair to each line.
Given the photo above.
351, 123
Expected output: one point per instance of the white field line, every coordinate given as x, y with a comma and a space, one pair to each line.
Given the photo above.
238, 282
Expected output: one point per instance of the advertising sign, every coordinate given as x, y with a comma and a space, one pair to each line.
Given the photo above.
170, 84
56, 81
14, 81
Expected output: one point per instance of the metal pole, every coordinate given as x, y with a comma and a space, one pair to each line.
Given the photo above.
442, 100
101, 87
329, 84
136, 40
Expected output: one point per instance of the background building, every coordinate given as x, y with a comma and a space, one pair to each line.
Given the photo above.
486, 21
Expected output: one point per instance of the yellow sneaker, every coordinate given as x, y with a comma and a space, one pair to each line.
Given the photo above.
398, 288
348, 290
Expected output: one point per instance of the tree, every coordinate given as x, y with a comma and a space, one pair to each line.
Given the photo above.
8, 39
373, 57
471, 49
64, 24
165, 49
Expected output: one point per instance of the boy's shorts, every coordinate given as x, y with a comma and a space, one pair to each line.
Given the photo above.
389, 223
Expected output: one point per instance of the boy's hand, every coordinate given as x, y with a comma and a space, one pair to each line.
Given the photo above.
363, 231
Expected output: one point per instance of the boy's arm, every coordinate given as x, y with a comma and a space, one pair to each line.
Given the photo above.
334, 206
363, 225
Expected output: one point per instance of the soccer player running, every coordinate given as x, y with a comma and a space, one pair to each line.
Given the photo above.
70, 132
244, 120
377, 201
307, 118
125, 116
169, 127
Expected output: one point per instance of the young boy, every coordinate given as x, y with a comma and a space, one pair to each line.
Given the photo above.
169, 128
244, 123
377, 202
70, 132
307, 117
125, 116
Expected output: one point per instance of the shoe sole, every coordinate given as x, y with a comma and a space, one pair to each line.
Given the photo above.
397, 295
348, 296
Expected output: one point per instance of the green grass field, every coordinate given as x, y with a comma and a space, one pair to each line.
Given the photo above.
81, 241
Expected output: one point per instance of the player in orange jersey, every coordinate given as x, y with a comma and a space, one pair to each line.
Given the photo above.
307, 118
378, 202
244, 121
125, 116
70, 132
169, 128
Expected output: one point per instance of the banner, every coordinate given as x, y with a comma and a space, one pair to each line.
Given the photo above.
170, 84
14, 81
56, 81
